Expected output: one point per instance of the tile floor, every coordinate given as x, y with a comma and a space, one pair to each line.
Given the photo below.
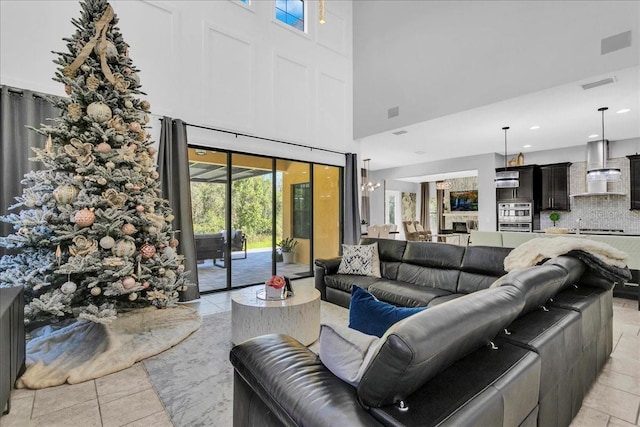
127, 398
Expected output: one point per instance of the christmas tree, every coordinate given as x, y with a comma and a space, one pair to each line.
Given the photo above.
93, 235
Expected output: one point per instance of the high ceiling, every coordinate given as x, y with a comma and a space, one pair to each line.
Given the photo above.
459, 71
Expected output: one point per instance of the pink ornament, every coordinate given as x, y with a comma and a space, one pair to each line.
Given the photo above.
135, 127
145, 285
128, 282
147, 251
136, 188
84, 218
140, 208
103, 148
174, 242
152, 150
128, 229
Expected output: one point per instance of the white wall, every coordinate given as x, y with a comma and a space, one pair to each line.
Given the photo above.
217, 63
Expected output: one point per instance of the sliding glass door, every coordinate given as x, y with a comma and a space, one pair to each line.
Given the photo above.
255, 216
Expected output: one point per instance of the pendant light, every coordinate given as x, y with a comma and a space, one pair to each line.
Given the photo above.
366, 184
604, 172
507, 178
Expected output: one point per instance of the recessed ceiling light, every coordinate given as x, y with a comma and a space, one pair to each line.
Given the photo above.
400, 132
534, 127
419, 152
595, 135
624, 110
527, 146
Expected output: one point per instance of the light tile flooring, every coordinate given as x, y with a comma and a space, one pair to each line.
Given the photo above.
127, 398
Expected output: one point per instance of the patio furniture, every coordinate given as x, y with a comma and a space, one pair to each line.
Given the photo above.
214, 246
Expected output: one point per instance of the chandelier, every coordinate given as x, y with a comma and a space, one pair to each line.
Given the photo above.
366, 184
506, 178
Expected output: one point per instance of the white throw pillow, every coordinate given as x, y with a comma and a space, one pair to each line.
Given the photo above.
361, 260
411, 228
346, 352
419, 227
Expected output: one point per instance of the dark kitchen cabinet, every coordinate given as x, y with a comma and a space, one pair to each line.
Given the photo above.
555, 186
634, 185
527, 191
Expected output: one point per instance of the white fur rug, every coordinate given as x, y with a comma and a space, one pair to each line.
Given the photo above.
535, 250
83, 350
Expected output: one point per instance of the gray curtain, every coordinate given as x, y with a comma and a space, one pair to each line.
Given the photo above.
351, 220
18, 108
424, 205
173, 167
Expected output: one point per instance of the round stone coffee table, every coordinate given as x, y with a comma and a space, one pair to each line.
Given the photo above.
297, 316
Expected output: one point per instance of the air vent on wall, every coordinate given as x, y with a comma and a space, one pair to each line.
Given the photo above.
399, 132
616, 42
602, 82
393, 112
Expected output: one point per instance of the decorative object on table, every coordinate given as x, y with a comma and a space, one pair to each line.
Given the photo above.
287, 246
82, 230
554, 216
275, 288
288, 289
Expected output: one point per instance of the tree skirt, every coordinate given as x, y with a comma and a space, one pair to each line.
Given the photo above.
82, 350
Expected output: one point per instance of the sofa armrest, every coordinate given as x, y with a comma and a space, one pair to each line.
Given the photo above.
294, 385
325, 267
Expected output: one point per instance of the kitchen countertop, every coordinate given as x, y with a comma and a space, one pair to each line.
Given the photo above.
594, 232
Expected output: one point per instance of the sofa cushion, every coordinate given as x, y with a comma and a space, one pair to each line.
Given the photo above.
360, 260
416, 349
388, 249
428, 277
435, 255
344, 282
346, 351
373, 317
405, 294
538, 284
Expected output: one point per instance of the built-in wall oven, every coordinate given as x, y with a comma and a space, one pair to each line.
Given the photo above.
515, 217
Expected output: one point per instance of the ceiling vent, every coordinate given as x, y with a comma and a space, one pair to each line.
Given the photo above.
399, 132
393, 112
602, 82
616, 42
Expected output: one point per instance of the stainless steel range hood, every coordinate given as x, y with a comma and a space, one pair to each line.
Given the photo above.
597, 155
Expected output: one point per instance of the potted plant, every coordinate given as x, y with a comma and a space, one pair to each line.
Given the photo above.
554, 216
287, 246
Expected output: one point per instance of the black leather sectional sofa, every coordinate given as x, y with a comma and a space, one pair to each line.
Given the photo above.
493, 349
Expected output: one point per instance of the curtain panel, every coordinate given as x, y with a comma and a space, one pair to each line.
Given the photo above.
175, 183
19, 108
351, 220
424, 205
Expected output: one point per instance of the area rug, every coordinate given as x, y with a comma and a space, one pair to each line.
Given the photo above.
194, 379
81, 350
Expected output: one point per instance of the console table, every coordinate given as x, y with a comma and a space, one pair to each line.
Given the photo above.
12, 341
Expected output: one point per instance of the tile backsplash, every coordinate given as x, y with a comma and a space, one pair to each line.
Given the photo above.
597, 212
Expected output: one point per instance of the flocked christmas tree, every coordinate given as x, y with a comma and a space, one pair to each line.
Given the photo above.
93, 234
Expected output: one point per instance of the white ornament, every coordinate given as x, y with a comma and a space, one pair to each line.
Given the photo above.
95, 291
129, 282
107, 242
110, 165
133, 296
68, 288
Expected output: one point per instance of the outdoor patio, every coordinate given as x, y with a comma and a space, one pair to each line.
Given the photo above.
255, 269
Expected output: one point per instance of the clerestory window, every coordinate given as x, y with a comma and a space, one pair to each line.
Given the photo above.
291, 12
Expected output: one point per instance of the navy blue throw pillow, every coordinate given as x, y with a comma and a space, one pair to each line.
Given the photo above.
373, 317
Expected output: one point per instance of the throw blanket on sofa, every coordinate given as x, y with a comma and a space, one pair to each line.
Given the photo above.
608, 261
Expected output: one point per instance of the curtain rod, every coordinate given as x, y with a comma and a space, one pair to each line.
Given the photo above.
237, 134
